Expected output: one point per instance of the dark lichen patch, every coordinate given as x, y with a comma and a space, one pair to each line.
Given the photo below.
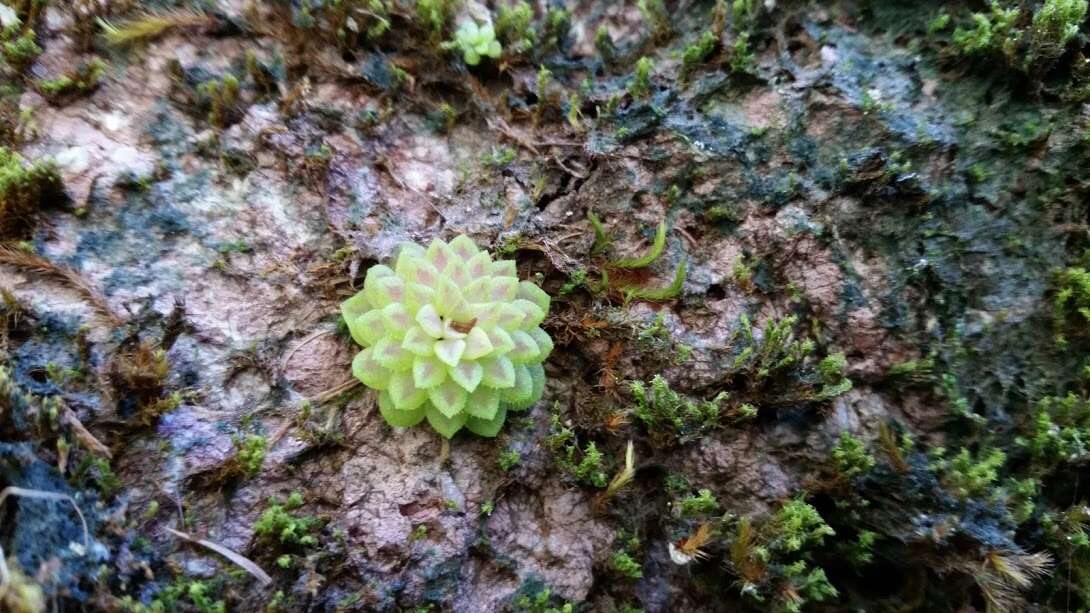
51, 344
42, 532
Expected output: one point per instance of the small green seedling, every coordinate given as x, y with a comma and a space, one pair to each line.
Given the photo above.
450, 336
603, 42
640, 85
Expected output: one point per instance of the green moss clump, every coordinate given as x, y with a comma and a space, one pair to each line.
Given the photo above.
173, 597
84, 79
990, 32
1055, 24
776, 351
16, 124
540, 601
19, 51
435, 14
834, 381
221, 98
251, 454
913, 371
698, 52
557, 28
772, 562
583, 465
24, 189
603, 43
797, 525
513, 26
1029, 39
967, 476
625, 565
279, 526
670, 417
851, 457
704, 503
624, 560
657, 19
509, 459
1072, 301
348, 23
779, 367
1059, 431
544, 75
742, 61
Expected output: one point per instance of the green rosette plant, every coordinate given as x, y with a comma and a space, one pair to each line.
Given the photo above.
451, 336
476, 41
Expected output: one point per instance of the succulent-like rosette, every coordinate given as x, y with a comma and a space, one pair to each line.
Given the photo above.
450, 336
476, 42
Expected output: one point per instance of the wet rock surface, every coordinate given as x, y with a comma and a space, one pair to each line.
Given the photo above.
846, 180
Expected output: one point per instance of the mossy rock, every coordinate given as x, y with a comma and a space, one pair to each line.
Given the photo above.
24, 190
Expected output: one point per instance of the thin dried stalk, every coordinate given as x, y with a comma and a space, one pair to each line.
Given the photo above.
330, 394
151, 26
238, 559
42, 267
692, 547
83, 435
888, 443
23, 492
623, 477
1004, 576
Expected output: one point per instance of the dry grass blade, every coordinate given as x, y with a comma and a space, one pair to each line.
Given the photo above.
1003, 577
1021, 570
23, 492
150, 26
888, 444
622, 478
83, 435
626, 474
330, 394
38, 265
743, 556
303, 343
692, 547
236, 558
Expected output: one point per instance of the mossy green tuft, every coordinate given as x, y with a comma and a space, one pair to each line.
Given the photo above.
24, 189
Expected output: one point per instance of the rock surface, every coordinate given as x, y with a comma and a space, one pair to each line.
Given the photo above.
832, 181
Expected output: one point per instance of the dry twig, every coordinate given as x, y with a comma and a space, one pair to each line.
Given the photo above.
238, 559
